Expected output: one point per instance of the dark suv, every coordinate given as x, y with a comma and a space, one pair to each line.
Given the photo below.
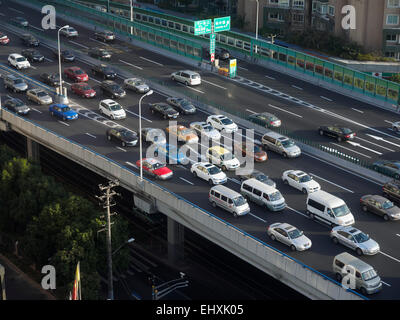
99, 53
112, 89
29, 40
391, 190
104, 71
32, 55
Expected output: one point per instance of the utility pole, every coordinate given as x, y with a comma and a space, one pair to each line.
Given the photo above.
106, 200
157, 292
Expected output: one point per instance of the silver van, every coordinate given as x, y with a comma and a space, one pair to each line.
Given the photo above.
328, 208
365, 276
187, 77
229, 200
263, 194
15, 84
280, 144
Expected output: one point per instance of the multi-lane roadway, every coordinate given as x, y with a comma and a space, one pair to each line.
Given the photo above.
89, 130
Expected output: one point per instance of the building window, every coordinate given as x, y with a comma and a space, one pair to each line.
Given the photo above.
392, 19
389, 54
331, 10
298, 3
393, 4
276, 16
298, 17
391, 37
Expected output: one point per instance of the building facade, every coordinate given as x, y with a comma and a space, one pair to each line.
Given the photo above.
377, 21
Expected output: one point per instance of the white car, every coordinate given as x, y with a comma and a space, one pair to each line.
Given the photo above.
69, 32
300, 180
153, 135
203, 128
396, 126
222, 123
208, 172
112, 109
222, 158
187, 77
289, 235
18, 61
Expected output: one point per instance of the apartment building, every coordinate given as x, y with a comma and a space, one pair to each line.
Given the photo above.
377, 21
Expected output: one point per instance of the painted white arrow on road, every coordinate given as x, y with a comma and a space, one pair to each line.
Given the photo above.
381, 139
361, 146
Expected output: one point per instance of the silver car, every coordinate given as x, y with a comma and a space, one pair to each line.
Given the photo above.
289, 235
39, 96
354, 239
136, 84
153, 135
69, 32
15, 84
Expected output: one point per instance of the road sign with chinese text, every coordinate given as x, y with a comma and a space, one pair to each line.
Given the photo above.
202, 27
222, 24
212, 43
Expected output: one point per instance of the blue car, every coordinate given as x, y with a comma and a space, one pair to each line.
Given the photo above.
170, 152
63, 111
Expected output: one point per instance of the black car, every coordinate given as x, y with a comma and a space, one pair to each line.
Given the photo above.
258, 175
20, 21
66, 55
124, 136
112, 89
50, 79
182, 105
99, 53
29, 40
32, 55
16, 106
104, 71
219, 53
163, 109
337, 132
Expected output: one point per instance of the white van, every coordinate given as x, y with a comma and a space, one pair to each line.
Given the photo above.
229, 200
189, 78
365, 276
329, 209
263, 194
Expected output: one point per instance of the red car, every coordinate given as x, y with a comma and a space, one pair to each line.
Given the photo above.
76, 74
83, 90
3, 38
155, 168
256, 152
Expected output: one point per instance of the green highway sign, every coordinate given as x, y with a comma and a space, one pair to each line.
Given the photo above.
202, 27
212, 43
222, 24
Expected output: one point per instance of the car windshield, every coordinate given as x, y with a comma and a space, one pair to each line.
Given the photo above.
128, 134
305, 178
115, 107
104, 53
18, 81
158, 166
19, 103
66, 109
387, 205
227, 156
86, 88
226, 121
370, 274
257, 149
66, 53
115, 87
261, 177
195, 76
214, 170
207, 128
139, 83
361, 237
20, 59
287, 143
341, 211
71, 29
294, 234
108, 69
79, 71
275, 196
239, 201
41, 94
347, 130
186, 131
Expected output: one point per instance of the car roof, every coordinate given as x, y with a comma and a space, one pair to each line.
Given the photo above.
151, 160
299, 173
16, 55
378, 198
348, 259
109, 101
219, 149
37, 90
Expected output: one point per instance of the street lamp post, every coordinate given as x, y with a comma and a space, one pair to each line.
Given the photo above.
126, 242
140, 132
59, 58
257, 23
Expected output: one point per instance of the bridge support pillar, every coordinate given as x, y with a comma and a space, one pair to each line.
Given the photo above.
175, 241
32, 150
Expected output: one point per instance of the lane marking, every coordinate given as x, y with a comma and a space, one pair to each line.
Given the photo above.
386, 283
130, 64
296, 87
131, 164
159, 64
33, 67
40, 29
351, 150
119, 148
186, 181
103, 43
381, 139
91, 135
12, 9
95, 80
191, 88
257, 217
138, 115
389, 121
298, 212
202, 80
326, 98
375, 144
250, 111
397, 234
363, 147
332, 183
243, 68
385, 254
65, 124
78, 44
34, 109
2, 14
295, 114
358, 110
183, 167
235, 181
272, 78
48, 59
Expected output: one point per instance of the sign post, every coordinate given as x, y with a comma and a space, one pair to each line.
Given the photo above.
232, 68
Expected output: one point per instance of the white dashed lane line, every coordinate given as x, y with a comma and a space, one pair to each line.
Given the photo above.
358, 110
257, 217
186, 181
36, 110
325, 98
197, 90
216, 85
296, 87
91, 135
364, 155
130, 64
119, 148
64, 123
332, 183
78, 44
271, 78
295, 114
159, 64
